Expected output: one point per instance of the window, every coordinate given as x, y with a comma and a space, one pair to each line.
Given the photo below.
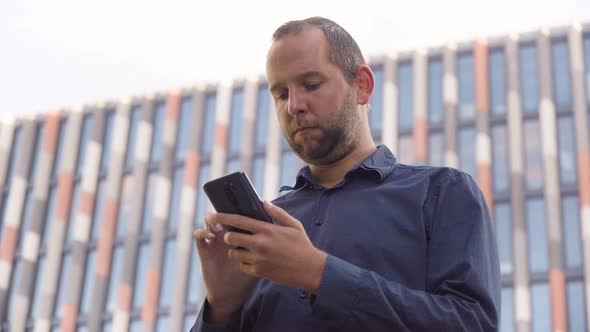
262, 114
507, 316
51, 201
143, 261
149, 203
158, 125
107, 143
233, 165
38, 284
376, 110
184, 128
167, 285
561, 77
13, 158
406, 149
63, 283
466, 76
587, 61
126, 200
504, 236
60, 147
406, 96
162, 324
529, 78
435, 89
208, 126
84, 138
541, 302
99, 208
36, 153
258, 174
175, 211
118, 260
567, 150
74, 210
436, 150
189, 321
134, 119
501, 175
202, 199
26, 219
537, 235
195, 292
572, 240
497, 77
576, 308
288, 168
533, 158
467, 151
89, 276
235, 125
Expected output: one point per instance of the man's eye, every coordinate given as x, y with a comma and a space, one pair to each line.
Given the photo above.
312, 86
283, 95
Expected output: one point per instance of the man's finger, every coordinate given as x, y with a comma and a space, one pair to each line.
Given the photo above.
241, 255
281, 216
235, 239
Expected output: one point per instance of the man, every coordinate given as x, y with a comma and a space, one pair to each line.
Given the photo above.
361, 242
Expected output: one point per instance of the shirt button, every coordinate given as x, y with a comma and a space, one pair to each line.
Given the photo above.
319, 222
302, 294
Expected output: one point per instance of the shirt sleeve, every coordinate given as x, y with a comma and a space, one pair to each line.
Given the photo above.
202, 326
463, 281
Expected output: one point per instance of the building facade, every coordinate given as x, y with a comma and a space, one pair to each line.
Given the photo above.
98, 203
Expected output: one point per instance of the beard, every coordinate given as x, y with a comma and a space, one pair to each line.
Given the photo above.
336, 137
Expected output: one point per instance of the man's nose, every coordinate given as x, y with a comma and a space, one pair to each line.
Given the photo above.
296, 103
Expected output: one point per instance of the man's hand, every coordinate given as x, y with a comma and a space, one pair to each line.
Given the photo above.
227, 288
281, 253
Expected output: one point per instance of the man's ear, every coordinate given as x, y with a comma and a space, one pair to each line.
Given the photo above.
365, 83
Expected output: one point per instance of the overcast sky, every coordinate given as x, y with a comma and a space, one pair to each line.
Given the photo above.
62, 52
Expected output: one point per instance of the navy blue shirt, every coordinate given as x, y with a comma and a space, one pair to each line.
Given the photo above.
410, 248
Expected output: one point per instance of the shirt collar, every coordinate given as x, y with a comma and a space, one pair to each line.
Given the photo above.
379, 164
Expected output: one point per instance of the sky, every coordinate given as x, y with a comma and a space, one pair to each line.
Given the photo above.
62, 53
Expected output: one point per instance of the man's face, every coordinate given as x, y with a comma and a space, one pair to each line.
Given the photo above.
316, 106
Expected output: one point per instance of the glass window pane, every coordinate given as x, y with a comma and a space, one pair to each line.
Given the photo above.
465, 76
572, 231
167, 286
561, 77
59, 148
497, 82
587, 62
233, 165
567, 150
158, 129
235, 125
406, 95
541, 302
202, 199
189, 321
88, 281
435, 92
115, 278
84, 138
14, 155
533, 157
262, 114
16, 275
74, 211
208, 126
125, 208
376, 110
149, 203
576, 307
507, 315
195, 292
529, 78
436, 149
143, 260
99, 208
108, 142
50, 216
136, 325
107, 326
501, 173
63, 285
134, 120
504, 236
467, 151
288, 168
184, 128
162, 324
177, 184
26, 220
258, 174
537, 235
38, 149
38, 284
406, 149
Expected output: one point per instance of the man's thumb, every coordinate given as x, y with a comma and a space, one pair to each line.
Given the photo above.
280, 216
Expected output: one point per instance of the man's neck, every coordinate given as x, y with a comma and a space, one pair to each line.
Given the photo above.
330, 175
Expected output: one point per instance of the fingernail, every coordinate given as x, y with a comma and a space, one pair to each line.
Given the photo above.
209, 236
268, 204
208, 241
217, 228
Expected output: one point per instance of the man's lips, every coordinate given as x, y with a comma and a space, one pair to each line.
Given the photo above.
302, 130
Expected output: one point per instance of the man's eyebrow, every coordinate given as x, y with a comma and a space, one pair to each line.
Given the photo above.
307, 75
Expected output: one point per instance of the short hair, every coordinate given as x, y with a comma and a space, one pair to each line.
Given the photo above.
344, 51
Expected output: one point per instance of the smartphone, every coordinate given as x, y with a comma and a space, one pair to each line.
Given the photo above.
234, 194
